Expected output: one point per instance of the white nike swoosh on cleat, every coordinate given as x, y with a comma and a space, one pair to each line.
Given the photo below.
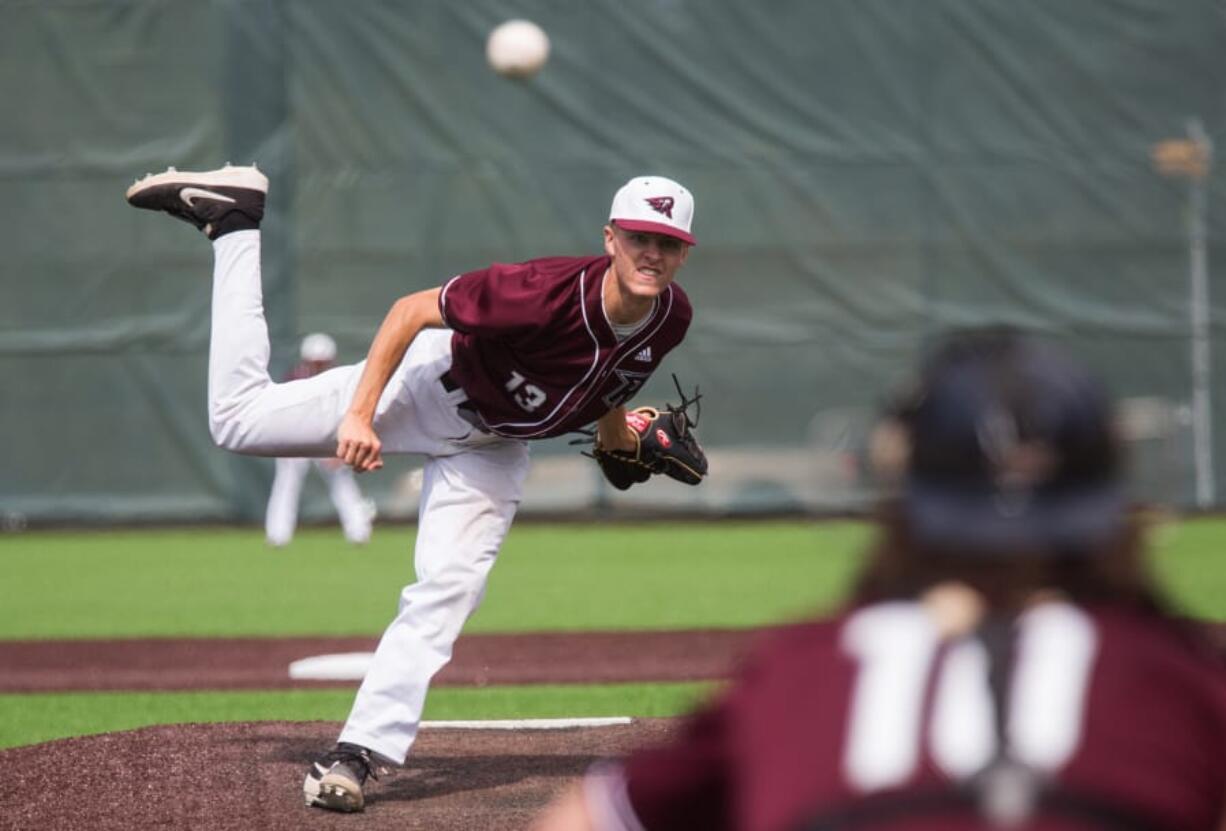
188, 194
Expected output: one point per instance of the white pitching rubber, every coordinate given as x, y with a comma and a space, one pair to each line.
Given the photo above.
343, 666
529, 723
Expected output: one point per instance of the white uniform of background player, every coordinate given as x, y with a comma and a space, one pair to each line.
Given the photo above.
466, 406
317, 351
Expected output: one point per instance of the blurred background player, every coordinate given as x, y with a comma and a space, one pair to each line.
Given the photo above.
1006, 661
464, 374
317, 353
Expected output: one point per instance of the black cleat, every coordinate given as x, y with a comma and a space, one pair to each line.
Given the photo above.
216, 201
335, 779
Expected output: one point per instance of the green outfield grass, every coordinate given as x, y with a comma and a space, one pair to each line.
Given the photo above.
651, 576
29, 719
225, 582
1190, 561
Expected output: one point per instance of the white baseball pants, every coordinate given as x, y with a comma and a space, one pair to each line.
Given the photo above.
281, 516
471, 485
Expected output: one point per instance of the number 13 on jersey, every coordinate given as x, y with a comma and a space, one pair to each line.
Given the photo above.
528, 396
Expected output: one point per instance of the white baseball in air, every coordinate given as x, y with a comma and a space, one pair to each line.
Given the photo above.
517, 48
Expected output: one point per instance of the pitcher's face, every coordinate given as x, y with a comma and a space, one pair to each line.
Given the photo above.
644, 263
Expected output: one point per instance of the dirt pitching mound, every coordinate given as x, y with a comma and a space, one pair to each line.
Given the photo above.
263, 663
243, 776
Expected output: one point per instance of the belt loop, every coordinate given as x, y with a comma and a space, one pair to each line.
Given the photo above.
469, 413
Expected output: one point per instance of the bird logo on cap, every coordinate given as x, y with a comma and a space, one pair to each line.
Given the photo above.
661, 205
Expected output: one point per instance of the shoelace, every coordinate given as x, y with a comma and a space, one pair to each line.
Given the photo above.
356, 757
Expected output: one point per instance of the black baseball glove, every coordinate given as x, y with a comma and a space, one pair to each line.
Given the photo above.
664, 443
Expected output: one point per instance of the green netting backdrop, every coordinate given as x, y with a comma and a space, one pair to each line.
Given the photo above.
867, 173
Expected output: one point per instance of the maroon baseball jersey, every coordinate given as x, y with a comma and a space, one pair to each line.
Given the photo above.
870, 720
534, 351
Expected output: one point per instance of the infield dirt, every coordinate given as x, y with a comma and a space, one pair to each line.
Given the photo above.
249, 775
263, 663
237, 777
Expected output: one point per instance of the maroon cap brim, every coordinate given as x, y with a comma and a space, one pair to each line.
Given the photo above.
655, 228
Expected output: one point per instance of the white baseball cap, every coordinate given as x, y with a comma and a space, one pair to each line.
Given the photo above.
656, 205
317, 347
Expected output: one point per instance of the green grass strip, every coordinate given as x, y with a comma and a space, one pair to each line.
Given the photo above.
1189, 560
30, 719
226, 582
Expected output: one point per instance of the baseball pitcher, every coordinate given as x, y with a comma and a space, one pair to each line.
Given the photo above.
464, 374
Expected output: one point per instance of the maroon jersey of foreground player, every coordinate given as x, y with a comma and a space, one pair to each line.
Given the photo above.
535, 352
849, 720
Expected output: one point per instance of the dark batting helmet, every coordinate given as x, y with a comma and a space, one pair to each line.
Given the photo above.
1012, 447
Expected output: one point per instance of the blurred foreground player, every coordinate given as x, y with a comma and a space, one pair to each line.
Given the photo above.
317, 353
465, 375
1005, 663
